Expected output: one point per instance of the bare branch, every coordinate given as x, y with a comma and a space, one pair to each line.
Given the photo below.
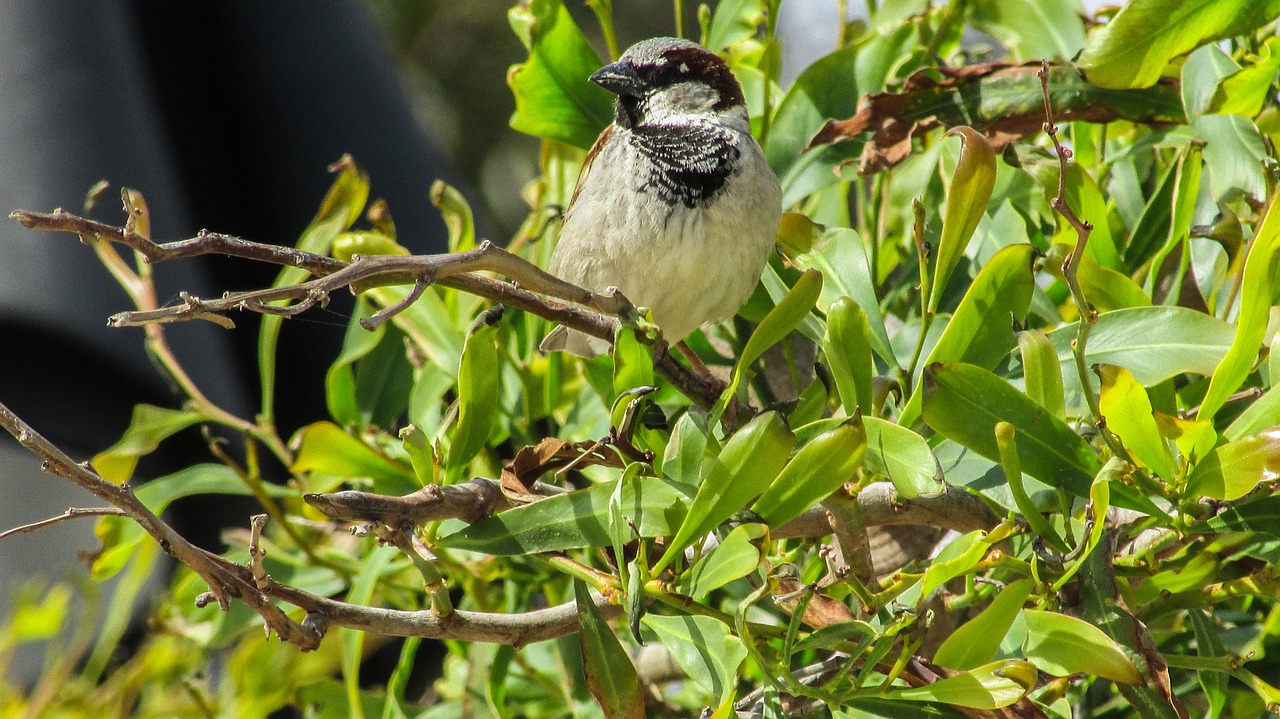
455, 270
954, 509
477, 498
256, 552
71, 513
205, 243
224, 584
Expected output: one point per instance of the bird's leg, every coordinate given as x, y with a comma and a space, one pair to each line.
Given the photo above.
695, 362
700, 368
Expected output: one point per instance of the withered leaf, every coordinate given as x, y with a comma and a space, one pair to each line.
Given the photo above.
1003, 101
822, 611
549, 455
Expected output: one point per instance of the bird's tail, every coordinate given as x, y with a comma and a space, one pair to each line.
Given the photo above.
563, 339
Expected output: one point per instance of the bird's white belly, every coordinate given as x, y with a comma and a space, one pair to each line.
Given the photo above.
689, 265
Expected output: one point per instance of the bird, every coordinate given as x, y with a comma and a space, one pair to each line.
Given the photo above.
675, 204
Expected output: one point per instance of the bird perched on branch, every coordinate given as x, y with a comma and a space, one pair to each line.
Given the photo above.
676, 205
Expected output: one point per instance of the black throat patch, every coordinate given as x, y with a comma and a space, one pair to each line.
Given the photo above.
690, 163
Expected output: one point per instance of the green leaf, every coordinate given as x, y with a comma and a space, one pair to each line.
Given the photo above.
478, 400
577, 519
341, 207
819, 468
1257, 287
733, 22
847, 348
967, 196
1127, 410
1260, 515
826, 90
1235, 154
1063, 645
975, 642
1152, 226
1244, 92
682, 458
41, 619
610, 675
1162, 274
1209, 644
1133, 49
349, 244
1201, 74
734, 558
149, 427
840, 256
703, 647
1086, 198
324, 448
554, 99
1233, 469
964, 403
1006, 442
1042, 371
750, 460
372, 569
632, 362
785, 316
1154, 343
980, 332
991, 686
981, 329
371, 380
1104, 288
903, 457
457, 216
1031, 29
1263, 413
957, 558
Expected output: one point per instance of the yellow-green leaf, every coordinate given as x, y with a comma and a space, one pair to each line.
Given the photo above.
975, 642
847, 347
478, 393
1063, 645
1127, 409
1133, 49
1235, 468
967, 197
1257, 287
821, 466
990, 686
610, 675
749, 461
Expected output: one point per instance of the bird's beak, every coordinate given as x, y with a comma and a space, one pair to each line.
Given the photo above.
619, 78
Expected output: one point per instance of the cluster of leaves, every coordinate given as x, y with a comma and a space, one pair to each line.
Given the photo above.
1101, 387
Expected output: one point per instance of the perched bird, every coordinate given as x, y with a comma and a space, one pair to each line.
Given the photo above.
676, 205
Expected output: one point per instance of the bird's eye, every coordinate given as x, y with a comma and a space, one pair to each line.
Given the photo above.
665, 74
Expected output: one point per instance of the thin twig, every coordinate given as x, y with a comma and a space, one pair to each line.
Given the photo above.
71, 513
204, 243
1071, 268
256, 552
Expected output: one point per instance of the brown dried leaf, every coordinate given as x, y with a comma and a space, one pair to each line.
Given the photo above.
822, 611
1003, 101
549, 455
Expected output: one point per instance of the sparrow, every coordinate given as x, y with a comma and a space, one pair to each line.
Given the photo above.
675, 204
